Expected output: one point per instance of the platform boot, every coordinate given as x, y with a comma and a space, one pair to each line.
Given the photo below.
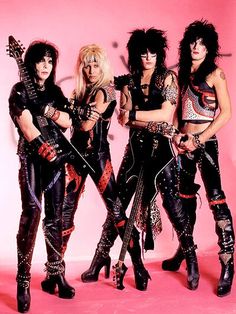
55, 266
101, 258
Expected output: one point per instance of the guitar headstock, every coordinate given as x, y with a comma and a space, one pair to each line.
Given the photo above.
15, 48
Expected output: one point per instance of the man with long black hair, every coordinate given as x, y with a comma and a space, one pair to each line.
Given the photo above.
203, 91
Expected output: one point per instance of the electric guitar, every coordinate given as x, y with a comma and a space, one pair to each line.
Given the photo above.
120, 269
66, 151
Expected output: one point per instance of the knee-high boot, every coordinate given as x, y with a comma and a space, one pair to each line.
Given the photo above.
140, 273
25, 246
101, 257
226, 239
224, 230
24, 253
55, 266
189, 203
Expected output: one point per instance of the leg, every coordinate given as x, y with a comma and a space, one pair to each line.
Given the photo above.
168, 183
127, 183
209, 168
52, 227
105, 182
188, 191
75, 183
29, 221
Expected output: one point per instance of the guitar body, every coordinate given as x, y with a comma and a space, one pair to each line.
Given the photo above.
120, 270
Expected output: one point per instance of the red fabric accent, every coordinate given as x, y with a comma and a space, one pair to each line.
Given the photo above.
216, 202
120, 224
105, 178
187, 195
68, 231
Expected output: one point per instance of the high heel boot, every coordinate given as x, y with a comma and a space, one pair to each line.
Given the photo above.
98, 262
192, 269
190, 204
55, 266
141, 275
173, 264
23, 294
101, 258
226, 277
65, 291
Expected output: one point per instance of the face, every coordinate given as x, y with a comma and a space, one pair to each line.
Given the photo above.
92, 72
44, 69
148, 60
198, 50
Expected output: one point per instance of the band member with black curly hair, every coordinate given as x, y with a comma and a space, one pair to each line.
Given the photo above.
148, 100
40, 173
203, 91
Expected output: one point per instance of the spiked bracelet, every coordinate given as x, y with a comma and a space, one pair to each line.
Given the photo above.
196, 141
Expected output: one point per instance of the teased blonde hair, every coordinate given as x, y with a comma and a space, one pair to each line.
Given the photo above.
88, 54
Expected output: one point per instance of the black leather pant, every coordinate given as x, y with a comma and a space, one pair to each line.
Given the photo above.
36, 178
166, 181
104, 180
207, 161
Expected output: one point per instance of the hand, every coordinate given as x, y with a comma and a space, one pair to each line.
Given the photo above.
123, 117
188, 144
178, 142
44, 149
94, 114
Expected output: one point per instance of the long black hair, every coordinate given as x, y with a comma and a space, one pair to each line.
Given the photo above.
35, 53
140, 41
198, 30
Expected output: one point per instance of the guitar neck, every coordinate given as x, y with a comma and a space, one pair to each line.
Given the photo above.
32, 94
132, 216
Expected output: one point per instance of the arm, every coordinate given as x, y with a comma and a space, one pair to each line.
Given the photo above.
220, 84
100, 106
165, 114
25, 123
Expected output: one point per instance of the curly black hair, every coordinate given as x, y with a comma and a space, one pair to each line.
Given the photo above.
199, 29
35, 53
140, 41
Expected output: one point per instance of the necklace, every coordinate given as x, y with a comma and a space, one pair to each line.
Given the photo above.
144, 86
41, 88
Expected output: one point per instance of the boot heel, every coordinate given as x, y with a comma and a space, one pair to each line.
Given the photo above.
48, 285
226, 278
173, 264
23, 299
107, 267
98, 262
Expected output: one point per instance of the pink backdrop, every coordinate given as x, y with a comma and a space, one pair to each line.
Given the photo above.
71, 24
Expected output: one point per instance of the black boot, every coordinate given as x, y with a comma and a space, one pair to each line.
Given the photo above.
190, 205
141, 275
23, 294
25, 247
55, 266
173, 264
192, 269
101, 257
65, 291
226, 277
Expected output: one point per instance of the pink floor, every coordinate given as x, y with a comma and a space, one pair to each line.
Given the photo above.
166, 292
